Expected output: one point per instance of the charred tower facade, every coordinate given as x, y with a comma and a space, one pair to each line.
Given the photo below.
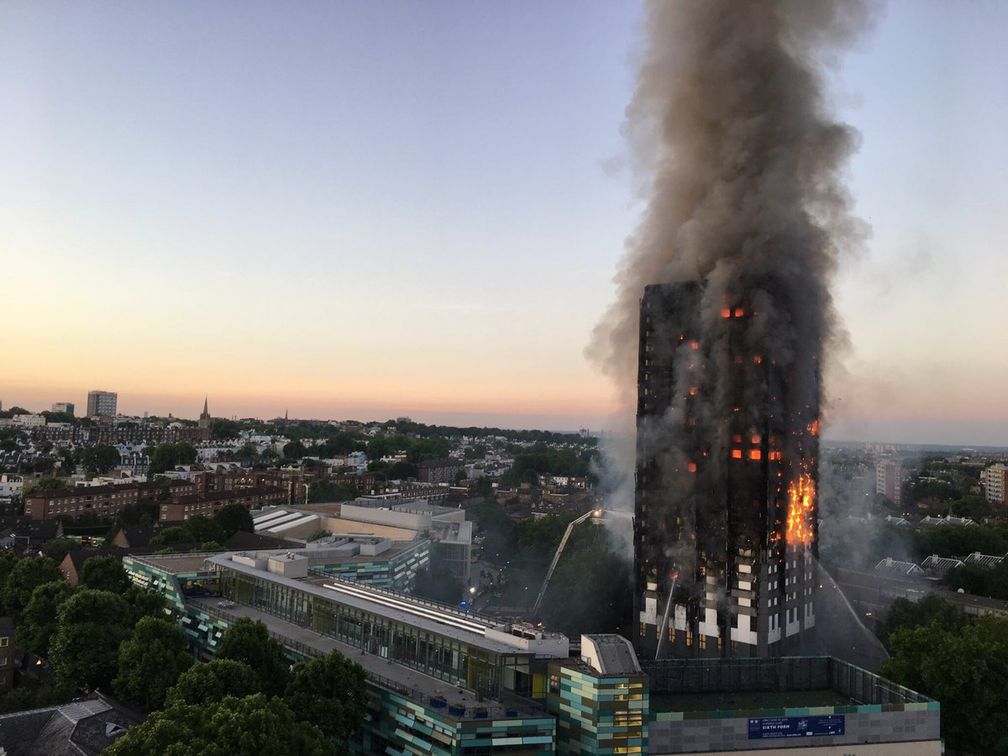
725, 526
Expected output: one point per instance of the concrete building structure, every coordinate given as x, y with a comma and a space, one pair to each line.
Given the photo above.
995, 484
67, 407
889, 479
789, 706
102, 403
600, 700
392, 565
440, 681
725, 514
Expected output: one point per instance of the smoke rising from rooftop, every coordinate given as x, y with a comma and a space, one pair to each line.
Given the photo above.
742, 166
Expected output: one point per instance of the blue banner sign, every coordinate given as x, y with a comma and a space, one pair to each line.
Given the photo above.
795, 727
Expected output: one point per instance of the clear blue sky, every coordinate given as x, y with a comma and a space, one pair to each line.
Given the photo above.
368, 209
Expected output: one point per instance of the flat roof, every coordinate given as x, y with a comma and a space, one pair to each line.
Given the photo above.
747, 701
425, 616
175, 563
409, 682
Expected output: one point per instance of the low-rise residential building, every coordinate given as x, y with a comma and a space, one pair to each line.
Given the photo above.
102, 501
11, 487
29, 421
440, 470
182, 508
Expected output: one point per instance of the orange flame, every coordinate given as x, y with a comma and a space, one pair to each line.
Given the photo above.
801, 500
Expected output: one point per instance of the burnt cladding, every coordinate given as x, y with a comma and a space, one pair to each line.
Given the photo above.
725, 524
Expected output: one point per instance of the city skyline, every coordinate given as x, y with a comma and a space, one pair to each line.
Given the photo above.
268, 201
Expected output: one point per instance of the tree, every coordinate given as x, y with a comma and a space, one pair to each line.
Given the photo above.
208, 683
966, 671
27, 575
980, 581
58, 548
326, 491
90, 626
144, 602
222, 429
294, 450
232, 518
46, 484
231, 727
172, 536
99, 459
202, 528
907, 615
250, 643
105, 573
166, 456
150, 661
402, 471
329, 693
39, 618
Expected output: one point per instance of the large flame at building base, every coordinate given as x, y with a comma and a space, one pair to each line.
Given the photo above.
801, 509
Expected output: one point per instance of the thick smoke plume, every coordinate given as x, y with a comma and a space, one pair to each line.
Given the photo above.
742, 167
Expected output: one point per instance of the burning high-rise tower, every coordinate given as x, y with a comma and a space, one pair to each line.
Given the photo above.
725, 516
725, 289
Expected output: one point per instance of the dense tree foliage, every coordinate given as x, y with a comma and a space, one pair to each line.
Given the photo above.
250, 643
231, 727
210, 682
173, 536
966, 669
105, 573
234, 517
907, 615
542, 459
326, 491
329, 693
39, 618
951, 540
222, 429
150, 661
99, 459
84, 649
24, 577
981, 581
167, 456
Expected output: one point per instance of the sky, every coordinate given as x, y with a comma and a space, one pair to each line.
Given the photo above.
358, 209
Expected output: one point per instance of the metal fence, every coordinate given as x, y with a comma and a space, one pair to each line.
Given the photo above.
788, 673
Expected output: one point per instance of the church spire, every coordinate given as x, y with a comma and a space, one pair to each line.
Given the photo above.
204, 418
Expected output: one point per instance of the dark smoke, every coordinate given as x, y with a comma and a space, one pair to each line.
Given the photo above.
743, 180
742, 164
